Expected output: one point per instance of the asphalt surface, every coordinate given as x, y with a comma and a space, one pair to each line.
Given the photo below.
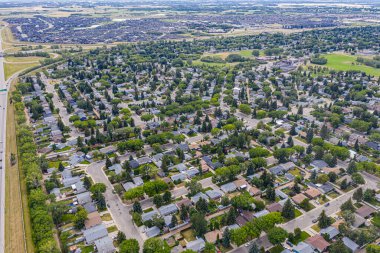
3, 117
118, 210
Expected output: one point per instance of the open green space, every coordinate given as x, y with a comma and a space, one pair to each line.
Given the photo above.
344, 62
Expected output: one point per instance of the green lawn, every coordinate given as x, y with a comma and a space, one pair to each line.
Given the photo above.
343, 62
188, 234
297, 213
112, 229
316, 228
276, 249
304, 236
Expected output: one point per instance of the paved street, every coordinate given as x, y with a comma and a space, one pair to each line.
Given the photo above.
3, 117
119, 211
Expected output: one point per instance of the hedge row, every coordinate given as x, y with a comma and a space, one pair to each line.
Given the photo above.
41, 220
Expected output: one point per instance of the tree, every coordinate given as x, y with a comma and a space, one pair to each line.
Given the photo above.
137, 207
174, 221
277, 235
157, 200
348, 206
288, 211
202, 206
254, 249
61, 167
338, 247
373, 248
108, 162
129, 246
357, 178
344, 184
231, 216
324, 221
332, 176
87, 182
358, 194
309, 135
369, 195
156, 245
246, 109
120, 237
349, 217
293, 131
199, 223
324, 132
271, 194
58, 209
351, 168
194, 187
167, 196
226, 240
98, 187
209, 248
80, 217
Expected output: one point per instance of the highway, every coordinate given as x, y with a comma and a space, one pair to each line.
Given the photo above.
3, 117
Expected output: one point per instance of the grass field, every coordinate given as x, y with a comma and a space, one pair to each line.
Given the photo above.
15, 198
223, 55
27, 59
12, 68
344, 62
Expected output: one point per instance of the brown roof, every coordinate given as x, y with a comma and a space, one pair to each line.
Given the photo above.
185, 202
247, 215
254, 191
93, 219
312, 193
240, 182
275, 207
299, 198
327, 170
213, 235
240, 220
365, 211
318, 242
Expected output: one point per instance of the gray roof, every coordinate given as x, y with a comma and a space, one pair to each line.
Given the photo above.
303, 247
105, 245
168, 209
90, 207
180, 167
350, 244
325, 188
128, 185
84, 197
261, 213
319, 164
144, 160
179, 176
197, 245
117, 168
70, 181
229, 187
192, 172
199, 195
95, 233
148, 216
214, 194
138, 181
331, 231
152, 232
